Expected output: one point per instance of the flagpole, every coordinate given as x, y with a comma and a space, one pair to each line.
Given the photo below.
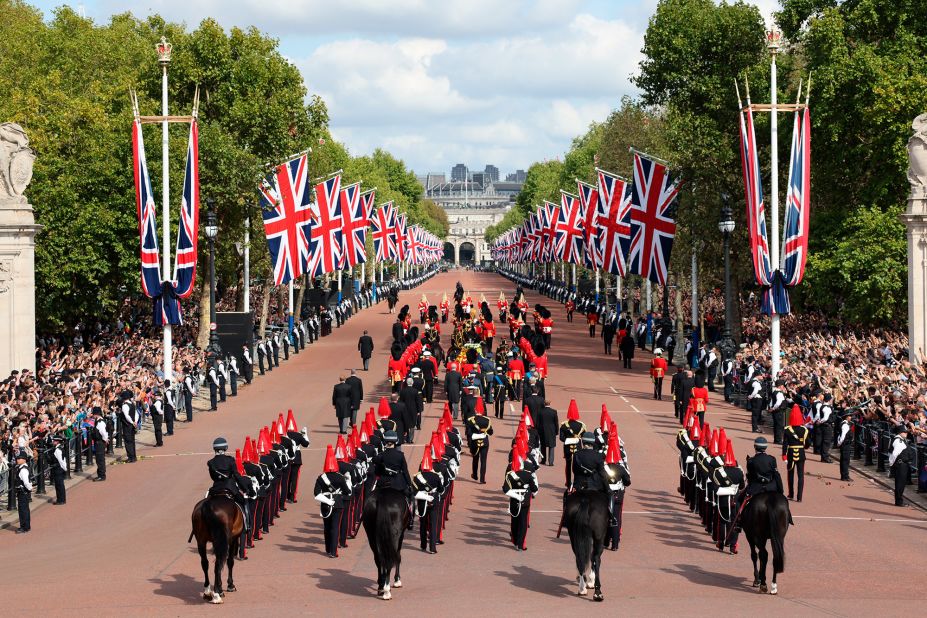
247, 269
773, 37
164, 59
597, 285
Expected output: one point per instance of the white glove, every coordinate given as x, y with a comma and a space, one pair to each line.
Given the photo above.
325, 499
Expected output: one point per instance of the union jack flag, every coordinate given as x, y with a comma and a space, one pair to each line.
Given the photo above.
325, 232
550, 212
383, 225
354, 221
613, 219
798, 206
653, 227
367, 200
400, 237
753, 194
188, 230
413, 245
285, 207
147, 216
589, 200
569, 229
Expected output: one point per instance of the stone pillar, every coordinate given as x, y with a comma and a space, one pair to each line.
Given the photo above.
457, 253
915, 220
17, 252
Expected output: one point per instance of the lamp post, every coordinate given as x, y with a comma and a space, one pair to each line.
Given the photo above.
212, 230
164, 59
726, 227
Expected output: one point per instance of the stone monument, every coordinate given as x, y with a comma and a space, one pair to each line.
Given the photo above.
915, 219
17, 252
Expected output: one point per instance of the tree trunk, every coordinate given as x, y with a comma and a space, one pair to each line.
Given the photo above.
202, 337
265, 305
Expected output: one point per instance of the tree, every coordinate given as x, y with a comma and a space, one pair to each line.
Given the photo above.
542, 182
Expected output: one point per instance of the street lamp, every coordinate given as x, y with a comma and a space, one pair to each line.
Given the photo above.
211, 229
726, 227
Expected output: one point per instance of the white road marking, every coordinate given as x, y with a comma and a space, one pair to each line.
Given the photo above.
624, 399
634, 407
832, 517
614, 391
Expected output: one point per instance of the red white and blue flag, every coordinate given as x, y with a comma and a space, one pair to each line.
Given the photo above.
753, 195
400, 237
653, 226
286, 209
147, 216
188, 230
613, 220
568, 229
549, 219
383, 227
325, 237
798, 203
589, 201
354, 221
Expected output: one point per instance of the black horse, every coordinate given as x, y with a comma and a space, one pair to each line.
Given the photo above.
585, 515
766, 518
217, 520
386, 516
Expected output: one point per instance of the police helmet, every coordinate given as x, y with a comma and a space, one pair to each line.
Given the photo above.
760, 444
391, 437
220, 444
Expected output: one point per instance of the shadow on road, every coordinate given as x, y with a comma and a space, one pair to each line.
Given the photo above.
183, 587
534, 581
697, 575
339, 580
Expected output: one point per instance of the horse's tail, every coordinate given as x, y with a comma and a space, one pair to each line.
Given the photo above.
777, 535
388, 533
191, 536
218, 533
581, 524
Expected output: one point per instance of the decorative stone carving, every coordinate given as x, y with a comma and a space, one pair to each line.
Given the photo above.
917, 156
6, 275
16, 159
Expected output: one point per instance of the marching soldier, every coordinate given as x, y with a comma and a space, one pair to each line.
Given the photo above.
698, 399
730, 481
686, 460
479, 428
23, 488
58, 468
331, 491
619, 479
428, 486
519, 485
157, 417
571, 432
657, 371
170, 407
845, 442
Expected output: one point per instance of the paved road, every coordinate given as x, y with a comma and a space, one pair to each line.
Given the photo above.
121, 546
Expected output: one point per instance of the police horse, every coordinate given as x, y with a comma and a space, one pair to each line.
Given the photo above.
386, 517
766, 518
218, 520
586, 517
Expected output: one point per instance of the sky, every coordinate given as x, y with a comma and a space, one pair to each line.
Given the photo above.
439, 82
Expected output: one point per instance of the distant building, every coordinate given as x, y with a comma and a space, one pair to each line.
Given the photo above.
518, 176
480, 179
492, 172
459, 173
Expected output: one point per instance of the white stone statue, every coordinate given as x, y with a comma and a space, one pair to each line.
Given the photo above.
917, 156
16, 159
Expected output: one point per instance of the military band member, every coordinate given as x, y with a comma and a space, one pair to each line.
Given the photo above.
520, 485
331, 491
428, 485
479, 428
619, 479
794, 443
571, 433
729, 480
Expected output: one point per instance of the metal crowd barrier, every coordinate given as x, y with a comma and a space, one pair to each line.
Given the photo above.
872, 443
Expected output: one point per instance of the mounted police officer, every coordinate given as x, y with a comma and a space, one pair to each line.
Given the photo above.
226, 479
589, 471
762, 474
390, 466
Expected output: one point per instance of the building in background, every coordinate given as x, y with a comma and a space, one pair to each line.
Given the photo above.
459, 172
493, 172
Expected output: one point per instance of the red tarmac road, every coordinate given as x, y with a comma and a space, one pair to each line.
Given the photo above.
120, 547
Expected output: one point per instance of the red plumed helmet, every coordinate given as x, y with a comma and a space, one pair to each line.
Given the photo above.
729, 459
573, 411
480, 406
706, 435
371, 418
447, 418
526, 417
356, 437
613, 430
331, 464
341, 451
687, 423
516, 459
384, 410
291, 421
263, 443
795, 416
352, 445
694, 432
722, 441
281, 425
238, 462
247, 452
438, 446
713, 443
274, 436
426, 462
605, 419
613, 455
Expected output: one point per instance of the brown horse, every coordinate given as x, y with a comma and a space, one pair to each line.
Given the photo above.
217, 520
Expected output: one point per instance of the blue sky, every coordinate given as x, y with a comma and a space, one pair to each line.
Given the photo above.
506, 82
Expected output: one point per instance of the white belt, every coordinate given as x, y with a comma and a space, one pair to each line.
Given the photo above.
690, 459
422, 495
571, 441
727, 491
478, 436
325, 498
